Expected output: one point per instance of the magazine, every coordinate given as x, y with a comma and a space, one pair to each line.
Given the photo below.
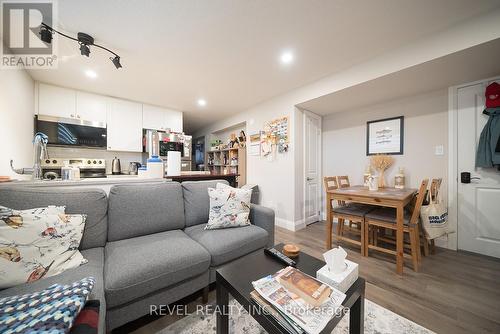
311, 319
282, 319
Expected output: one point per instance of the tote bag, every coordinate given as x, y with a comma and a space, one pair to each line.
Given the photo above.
434, 216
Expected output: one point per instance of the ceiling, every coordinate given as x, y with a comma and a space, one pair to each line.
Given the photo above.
227, 51
437, 74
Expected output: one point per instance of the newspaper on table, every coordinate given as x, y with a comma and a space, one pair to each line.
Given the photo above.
311, 320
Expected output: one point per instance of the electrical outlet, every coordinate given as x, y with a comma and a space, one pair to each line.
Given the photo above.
439, 150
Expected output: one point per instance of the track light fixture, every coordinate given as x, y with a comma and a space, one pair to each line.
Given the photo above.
46, 34
116, 61
83, 39
84, 50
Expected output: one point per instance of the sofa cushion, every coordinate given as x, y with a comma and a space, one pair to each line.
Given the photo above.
196, 200
93, 268
140, 266
228, 244
142, 209
92, 202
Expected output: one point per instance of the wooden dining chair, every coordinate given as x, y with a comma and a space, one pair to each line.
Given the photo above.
347, 211
343, 182
386, 218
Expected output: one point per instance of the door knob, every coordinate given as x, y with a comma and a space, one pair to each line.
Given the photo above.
466, 178
309, 178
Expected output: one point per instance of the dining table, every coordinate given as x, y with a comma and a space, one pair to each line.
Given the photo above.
383, 197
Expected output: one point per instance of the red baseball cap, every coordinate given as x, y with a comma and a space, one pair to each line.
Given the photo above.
493, 95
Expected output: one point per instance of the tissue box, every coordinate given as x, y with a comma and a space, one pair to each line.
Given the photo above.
341, 281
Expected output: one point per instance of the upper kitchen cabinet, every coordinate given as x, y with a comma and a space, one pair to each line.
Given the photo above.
156, 118
91, 107
124, 120
56, 101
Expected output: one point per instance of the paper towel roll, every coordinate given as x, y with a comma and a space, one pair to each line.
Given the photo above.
173, 163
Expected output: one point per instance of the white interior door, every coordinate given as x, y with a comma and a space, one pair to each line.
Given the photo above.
478, 201
312, 154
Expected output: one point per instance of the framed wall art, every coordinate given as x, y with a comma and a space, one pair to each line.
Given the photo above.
385, 136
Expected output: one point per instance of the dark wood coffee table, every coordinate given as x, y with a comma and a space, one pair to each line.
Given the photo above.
236, 279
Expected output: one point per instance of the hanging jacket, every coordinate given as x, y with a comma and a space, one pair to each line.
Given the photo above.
488, 150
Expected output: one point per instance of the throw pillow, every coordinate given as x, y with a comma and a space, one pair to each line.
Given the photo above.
87, 321
229, 207
38, 243
52, 310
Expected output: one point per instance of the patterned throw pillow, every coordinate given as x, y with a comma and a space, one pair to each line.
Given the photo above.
52, 310
229, 207
38, 243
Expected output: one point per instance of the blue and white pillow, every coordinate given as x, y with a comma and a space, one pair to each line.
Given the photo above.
229, 207
38, 243
52, 310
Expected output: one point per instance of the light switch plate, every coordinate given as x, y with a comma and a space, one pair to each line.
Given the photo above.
439, 150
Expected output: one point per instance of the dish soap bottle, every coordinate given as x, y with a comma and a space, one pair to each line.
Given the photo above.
399, 179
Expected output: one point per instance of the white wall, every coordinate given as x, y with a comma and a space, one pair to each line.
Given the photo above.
425, 126
17, 103
275, 178
280, 181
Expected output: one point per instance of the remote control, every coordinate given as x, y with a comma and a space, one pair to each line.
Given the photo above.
280, 256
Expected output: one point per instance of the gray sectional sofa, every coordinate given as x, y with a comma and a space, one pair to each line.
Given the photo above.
145, 243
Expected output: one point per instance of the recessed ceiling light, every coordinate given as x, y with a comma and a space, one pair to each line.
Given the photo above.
286, 57
91, 74
202, 102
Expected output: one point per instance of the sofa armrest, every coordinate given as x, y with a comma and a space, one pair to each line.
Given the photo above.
263, 217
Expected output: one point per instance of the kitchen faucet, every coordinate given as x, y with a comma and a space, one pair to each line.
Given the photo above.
40, 152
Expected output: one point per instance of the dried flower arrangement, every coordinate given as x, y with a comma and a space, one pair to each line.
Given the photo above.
381, 162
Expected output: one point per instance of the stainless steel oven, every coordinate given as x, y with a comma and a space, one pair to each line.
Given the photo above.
71, 132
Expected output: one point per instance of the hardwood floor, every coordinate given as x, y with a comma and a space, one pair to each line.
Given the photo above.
454, 292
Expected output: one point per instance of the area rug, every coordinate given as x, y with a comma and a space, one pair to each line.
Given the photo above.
378, 320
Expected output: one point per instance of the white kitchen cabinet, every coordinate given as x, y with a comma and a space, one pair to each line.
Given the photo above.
153, 117
56, 101
157, 118
124, 121
91, 107
173, 120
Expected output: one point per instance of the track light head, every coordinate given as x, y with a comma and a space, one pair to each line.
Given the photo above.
45, 34
116, 61
84, 50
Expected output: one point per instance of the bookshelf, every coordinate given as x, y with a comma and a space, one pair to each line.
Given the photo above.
228, 161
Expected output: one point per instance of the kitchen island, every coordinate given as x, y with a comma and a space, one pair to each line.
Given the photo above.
111, 180
231, 178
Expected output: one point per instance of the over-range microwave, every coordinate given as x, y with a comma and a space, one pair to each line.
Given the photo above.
72, 132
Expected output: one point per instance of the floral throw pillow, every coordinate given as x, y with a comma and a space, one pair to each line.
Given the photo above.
38, 243
229, 207
52, 310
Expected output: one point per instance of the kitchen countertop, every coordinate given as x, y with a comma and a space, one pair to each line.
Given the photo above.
110, 179
114, 179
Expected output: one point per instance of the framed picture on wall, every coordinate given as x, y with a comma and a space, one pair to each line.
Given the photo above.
385, 136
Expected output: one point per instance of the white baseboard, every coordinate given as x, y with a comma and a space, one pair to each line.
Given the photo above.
290, 225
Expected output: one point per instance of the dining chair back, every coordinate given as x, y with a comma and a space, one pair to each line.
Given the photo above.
415, 215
